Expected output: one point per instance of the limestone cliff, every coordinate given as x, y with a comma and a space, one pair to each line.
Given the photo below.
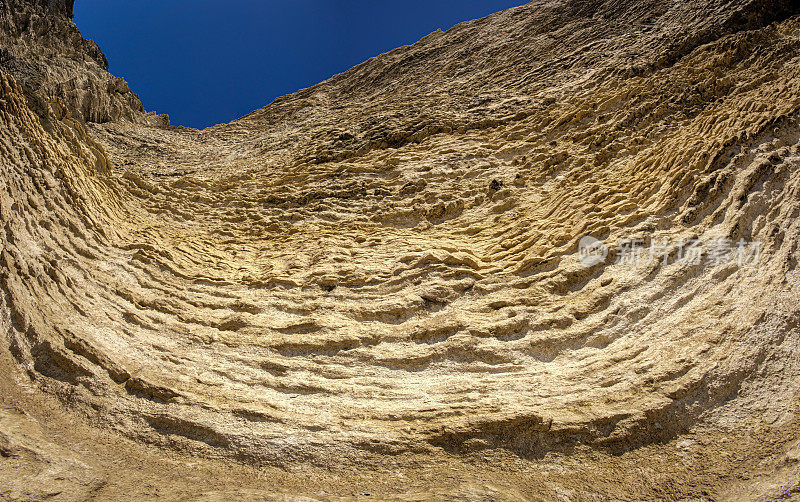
43, 50
378, 286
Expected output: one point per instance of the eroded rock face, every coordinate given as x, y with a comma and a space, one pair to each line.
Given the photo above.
382, 272
43, 50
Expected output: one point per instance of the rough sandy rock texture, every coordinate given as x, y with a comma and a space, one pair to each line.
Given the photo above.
44, 51
372, 288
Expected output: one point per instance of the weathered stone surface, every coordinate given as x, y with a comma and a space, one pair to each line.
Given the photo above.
43, 50
373, 286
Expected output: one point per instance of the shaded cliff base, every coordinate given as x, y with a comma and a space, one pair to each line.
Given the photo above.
50, 453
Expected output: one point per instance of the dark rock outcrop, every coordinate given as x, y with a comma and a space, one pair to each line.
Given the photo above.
44, 51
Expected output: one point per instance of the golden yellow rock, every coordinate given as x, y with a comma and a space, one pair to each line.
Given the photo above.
380, 286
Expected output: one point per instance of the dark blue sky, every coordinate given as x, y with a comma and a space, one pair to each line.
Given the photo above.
210, 61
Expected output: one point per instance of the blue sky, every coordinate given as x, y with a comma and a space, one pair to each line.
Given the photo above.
206, 62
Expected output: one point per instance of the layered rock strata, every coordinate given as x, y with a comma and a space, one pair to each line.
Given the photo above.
384, 269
